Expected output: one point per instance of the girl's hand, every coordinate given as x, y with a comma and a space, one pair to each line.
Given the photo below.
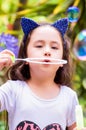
5, 59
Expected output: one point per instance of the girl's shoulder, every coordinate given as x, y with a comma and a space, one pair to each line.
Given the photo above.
17, 82
69, 94
67, 90
13, 85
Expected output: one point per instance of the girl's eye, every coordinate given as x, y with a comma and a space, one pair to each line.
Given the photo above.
38, 46
54, 47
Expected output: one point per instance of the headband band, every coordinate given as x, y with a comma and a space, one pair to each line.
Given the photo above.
28, 25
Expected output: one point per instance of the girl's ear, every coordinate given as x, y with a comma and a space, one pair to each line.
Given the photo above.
61, 25
28, 25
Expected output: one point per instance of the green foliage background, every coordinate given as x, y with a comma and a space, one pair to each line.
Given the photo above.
46, 10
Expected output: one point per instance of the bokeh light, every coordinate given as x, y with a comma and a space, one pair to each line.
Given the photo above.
80, 45
73, 14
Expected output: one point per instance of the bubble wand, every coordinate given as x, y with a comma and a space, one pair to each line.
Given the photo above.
40, 60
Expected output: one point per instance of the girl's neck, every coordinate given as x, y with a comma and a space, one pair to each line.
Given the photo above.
44, 89
41, 81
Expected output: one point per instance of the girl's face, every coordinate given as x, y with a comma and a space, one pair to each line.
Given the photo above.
45, 42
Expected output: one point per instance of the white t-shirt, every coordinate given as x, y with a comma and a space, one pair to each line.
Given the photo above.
29, 112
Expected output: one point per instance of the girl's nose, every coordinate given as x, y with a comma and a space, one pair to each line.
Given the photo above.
47, 53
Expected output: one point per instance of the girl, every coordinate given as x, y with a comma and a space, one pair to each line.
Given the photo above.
38, 96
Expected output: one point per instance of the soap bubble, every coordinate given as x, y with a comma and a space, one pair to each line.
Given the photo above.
80, 45
73, 14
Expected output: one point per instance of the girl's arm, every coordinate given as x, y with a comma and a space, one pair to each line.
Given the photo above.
5, 58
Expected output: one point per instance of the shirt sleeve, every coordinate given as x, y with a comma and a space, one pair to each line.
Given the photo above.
7, 97
71, 113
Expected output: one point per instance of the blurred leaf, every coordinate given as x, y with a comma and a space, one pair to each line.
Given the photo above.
43, 1
84, 83
62, 6
76, 2
53, 2
23, 12
33, 2
5, 6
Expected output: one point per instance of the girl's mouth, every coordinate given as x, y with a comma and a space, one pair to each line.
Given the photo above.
46, 60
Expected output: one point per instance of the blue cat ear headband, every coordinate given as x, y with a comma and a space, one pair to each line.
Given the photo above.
28, 25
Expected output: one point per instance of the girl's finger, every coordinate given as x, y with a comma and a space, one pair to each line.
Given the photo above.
7, 52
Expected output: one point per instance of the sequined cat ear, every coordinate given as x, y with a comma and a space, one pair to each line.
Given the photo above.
61, 25
28, 25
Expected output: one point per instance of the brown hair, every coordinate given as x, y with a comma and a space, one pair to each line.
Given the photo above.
20, 70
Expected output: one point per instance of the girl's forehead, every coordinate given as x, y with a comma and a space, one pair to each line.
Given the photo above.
46, 32
46, 28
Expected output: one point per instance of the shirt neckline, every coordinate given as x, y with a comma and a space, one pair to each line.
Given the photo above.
43, 99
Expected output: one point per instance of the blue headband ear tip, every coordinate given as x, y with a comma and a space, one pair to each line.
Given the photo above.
28, 25
61, 25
